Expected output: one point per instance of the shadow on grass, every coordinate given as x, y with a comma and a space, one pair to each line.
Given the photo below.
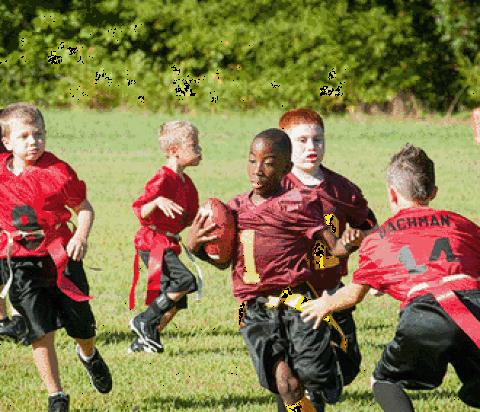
367, 395
229, 401
442, 393
114, 337
184, 333
202, 351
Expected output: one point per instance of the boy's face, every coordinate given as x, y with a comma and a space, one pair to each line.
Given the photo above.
189, 152
308, 146
26, 140
266, 167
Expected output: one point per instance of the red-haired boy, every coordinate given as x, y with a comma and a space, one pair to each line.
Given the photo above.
343, 203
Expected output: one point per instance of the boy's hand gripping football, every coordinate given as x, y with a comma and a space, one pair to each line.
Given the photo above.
168, 206
199, 234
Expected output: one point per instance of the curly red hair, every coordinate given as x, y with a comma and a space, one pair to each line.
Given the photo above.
300, 116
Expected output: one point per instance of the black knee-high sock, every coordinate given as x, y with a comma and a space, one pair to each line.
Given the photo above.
392, 397
157, 308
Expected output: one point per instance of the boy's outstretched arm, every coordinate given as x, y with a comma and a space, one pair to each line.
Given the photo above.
198, 235
167, 206
351, 239
344, 298
77, 246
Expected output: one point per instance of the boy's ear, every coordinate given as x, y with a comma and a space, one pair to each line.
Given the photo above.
172, 150
434, 194
288, 167
392, 194
6, 143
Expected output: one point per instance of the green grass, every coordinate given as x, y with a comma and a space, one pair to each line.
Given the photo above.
205, 366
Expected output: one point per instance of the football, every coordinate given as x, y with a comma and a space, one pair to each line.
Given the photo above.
219, 250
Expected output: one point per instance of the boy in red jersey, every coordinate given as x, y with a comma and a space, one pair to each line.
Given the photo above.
430, 261
273, 225
41, 257
342, 201
167, 206
14, 328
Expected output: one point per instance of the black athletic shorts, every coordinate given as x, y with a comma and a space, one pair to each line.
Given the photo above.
349, 361
34, 293
280, 334
426, 340
175, 276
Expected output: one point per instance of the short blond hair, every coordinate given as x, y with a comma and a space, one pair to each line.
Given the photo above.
175, 132
24, 111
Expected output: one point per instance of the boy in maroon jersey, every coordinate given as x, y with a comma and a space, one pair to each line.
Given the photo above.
273, 225
167, 206
40, 256
430, 261
342, 201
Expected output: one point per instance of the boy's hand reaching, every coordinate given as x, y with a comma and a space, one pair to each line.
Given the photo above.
351, 238
199, 234
315, 310
168, 206
77, 248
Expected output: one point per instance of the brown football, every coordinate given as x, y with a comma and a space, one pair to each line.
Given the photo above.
219, 250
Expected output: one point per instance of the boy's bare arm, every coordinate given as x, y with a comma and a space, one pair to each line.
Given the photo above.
77, 246
167, 206
343, 299
350, 240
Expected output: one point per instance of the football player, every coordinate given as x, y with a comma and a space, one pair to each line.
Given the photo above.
273, 225
168, 204
40, 255
14, 328
429, 260
343, 203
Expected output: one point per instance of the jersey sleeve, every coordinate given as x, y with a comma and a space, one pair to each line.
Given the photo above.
74, 190
359, 211
155, 187
306, 214
367, 272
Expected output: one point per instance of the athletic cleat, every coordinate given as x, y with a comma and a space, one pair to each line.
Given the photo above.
147, 333
138, 346
98, 371
15, 329
58, 403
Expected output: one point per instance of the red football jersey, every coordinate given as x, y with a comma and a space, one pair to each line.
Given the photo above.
37, 199
168, 184
270, 251
417, 249
343, 203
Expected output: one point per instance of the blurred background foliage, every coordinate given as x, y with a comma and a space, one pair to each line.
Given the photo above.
392, 56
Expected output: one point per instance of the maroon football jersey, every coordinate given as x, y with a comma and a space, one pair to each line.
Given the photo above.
418, 249
342, 203
270, 251
168, 184
37, 199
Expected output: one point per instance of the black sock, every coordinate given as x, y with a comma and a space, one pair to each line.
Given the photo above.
157, 308
392, 397
280, 404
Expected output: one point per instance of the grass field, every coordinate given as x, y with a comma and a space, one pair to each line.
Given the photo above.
205, 366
